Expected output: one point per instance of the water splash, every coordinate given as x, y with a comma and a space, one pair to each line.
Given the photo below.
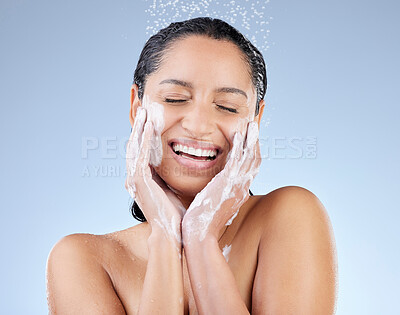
250, 18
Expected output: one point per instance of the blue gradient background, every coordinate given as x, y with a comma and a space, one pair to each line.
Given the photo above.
66, 70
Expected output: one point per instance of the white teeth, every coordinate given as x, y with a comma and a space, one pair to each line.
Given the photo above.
193, 151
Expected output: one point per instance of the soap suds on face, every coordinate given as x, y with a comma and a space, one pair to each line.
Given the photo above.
231, 183
252, 134
225, 251
171, 226
209, 205
133, 147
155, 114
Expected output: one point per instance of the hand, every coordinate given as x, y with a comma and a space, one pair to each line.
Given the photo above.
219, 202
159, 204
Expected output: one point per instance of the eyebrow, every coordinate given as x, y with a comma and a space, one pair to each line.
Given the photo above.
219, 90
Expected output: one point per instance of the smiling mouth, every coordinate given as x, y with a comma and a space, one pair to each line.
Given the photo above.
194, 154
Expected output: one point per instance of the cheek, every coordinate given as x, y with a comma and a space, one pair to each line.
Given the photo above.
170, 118
238, 124
155, 112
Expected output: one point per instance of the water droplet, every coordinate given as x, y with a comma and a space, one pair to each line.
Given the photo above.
163, 13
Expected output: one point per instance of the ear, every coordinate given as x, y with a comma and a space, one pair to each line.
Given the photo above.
135, 103
260, 113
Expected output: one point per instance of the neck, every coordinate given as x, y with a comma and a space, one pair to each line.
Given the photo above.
186, 200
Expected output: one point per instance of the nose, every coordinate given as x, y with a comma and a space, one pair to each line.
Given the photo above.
198, 121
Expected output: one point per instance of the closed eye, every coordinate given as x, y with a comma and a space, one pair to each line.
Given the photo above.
171, 100
228, 109
231, 110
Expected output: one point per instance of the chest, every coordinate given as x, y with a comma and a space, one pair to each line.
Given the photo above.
128, 275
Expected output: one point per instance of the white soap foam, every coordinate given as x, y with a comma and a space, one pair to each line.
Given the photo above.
228, 181
171, 228
155, 114
232, 218
204, 199
134, 147
225, 251
252, 135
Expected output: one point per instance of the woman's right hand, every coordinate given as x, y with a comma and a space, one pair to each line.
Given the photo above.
159, 204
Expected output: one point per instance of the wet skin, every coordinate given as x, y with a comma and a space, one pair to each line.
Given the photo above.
283, 254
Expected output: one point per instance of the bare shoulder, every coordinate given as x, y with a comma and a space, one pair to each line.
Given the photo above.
289, 204
77, 281
297, 263
293, 213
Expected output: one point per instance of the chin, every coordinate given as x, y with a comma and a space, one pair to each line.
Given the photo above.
184, 183
188, 186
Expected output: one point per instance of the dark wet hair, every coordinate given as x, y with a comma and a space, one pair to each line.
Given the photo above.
156, 46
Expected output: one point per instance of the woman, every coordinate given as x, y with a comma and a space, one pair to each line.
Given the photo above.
196, 105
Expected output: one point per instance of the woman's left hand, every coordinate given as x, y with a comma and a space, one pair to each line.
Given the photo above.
219, 202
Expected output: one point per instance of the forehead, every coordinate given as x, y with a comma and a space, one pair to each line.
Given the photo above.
205, 60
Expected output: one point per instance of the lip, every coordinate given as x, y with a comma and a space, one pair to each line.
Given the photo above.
192, 164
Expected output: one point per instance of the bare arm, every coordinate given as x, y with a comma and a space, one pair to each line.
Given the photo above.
297, 264
297, 267
76, 282
213, 284
163, 283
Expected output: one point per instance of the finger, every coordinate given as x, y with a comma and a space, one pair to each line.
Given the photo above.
251, 142
137, 130
130, 188
139, 167
257, 154
144, 153
132, 150
234, 156
249, 165
246, 165
236, 153
251, 135
133, 145
252, 164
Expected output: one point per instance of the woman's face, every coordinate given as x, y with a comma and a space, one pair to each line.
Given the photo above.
206, 93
